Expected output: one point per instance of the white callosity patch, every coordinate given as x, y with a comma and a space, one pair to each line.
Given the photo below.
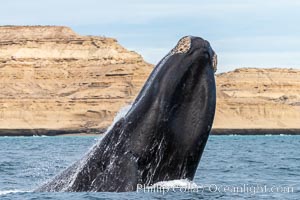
182, 46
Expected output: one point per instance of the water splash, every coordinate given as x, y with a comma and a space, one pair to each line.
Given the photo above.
121, 113
175, 184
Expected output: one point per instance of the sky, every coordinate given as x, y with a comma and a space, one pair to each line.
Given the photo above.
244, 33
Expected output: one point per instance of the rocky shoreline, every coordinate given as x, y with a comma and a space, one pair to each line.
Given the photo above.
89, 132
255, 132
49, 132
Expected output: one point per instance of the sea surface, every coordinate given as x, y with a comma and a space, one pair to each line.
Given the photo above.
232, 167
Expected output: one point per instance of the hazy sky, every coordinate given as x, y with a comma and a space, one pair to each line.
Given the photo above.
244, 33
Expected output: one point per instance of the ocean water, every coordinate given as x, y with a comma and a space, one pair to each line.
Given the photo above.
232, 167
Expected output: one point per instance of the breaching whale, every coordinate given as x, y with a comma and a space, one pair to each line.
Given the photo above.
163, 134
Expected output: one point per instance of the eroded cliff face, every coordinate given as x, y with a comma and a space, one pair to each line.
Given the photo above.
258, 98
52, 78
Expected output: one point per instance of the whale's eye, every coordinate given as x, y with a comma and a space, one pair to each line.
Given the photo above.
182, 46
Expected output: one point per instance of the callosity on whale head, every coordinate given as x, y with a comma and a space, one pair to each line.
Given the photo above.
176, 108
162, 136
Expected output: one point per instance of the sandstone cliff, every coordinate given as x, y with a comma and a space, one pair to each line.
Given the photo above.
258, 98
52, 78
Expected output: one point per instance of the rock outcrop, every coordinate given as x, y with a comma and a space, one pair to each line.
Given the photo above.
52, 78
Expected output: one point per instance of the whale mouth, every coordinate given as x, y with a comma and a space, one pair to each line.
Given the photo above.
215, 62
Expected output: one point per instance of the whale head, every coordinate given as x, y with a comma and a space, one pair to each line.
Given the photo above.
189, 44
190, 55
175, 110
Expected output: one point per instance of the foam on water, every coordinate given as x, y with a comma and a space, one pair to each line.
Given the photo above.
4, 192
284, 134
40, 136
173, 184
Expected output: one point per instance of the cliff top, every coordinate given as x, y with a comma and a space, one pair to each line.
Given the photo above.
260, 70
40, 32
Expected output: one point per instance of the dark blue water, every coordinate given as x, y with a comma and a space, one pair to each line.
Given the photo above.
232, 167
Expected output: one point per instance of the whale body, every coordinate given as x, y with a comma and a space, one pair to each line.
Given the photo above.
163, 134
